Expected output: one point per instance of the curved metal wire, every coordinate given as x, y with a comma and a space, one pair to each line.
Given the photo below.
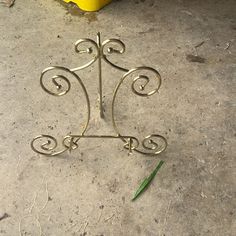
88, 50
49, 144
46, 145
150, 146
112, 50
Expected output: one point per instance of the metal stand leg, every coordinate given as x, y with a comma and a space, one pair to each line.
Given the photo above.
100, 76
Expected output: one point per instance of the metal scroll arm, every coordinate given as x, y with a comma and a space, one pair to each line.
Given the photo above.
152, 144
60, 85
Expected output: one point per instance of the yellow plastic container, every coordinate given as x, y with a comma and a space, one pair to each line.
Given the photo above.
90, 5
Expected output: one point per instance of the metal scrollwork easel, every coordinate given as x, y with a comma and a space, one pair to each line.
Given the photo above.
151, 145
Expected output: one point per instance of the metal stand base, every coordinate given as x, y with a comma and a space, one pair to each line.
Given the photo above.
151, 145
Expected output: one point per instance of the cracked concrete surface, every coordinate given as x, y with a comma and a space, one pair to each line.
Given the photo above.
88, 192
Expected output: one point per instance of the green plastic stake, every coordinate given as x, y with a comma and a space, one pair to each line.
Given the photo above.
147, 181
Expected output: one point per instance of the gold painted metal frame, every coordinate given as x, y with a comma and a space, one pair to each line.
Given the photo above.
152, 144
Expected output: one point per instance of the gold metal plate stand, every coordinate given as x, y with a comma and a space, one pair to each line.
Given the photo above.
153, 144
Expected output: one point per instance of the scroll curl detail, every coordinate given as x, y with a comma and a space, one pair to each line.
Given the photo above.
143, 81
154, 144
60, 82
87, 50
108, 48
57, 81
111, 48
46, 145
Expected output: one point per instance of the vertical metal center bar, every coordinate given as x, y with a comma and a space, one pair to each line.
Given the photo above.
100, 75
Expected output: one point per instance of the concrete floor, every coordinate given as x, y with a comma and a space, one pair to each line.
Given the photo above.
88, 192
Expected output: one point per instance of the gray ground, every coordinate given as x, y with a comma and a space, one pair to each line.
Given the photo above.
88, 192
